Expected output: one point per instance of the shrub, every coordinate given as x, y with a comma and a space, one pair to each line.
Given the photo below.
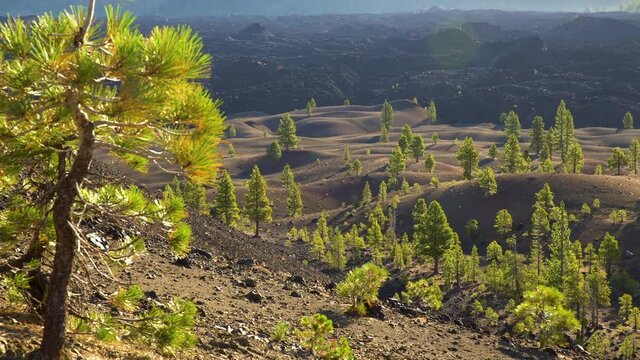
477, 309
586, 210
361, 286
596, 204
542, 313
280, 331
313, 333
618, 216
491, 316
423, 293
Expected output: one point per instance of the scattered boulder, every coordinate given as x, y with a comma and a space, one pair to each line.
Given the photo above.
254, 296
246, 262
250, 283
297, 279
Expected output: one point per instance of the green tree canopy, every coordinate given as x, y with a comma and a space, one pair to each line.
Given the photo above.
617, 160
514, 161
433, 233
387, 116
563, 130
257, 206
537, 134
70, 88
627, 121
274, 152
225, 204
287, 132
468, 157
512, 124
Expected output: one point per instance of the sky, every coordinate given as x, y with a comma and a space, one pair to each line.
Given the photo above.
176, 8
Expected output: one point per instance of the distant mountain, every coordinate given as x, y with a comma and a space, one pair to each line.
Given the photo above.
255, 31
585, 30
172, 8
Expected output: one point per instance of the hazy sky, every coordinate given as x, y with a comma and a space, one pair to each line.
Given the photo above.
287, 7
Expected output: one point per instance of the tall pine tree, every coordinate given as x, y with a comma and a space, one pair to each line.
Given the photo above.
257, 206
225, 204
287, 132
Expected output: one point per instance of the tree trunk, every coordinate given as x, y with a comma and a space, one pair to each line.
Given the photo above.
257, 234
56, 301
436, 264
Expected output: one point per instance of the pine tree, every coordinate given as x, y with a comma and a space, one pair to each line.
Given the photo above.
322, 227
598, 345
435, 138
374, 236
543, 314
287, 178
545, 197
634, 156
488, 182
347, 102
575, 158
617, 160
432, 112
287, 132
627, 349
561, 256
384, 134
366, 194
433, 233
309, 108
417, 147
609, 252
577, 297
386, 117
346, 155
257, 206
195, 197
455, 262
382, 192
468, 157
356, 167
627, 121
625, 304
430, 163
514, 162
337, 251
563, 130
406, 137
397, 165
405, 187
317, 245
313, 103
598, 290
537, 134
493, 151
274, 152
598, 170
225, 204
504, 222
231, 151
512, 125
70, 88
539, 231
294, 201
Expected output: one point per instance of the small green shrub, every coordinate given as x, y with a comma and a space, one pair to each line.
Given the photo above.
423, 293
280, 331
361, 286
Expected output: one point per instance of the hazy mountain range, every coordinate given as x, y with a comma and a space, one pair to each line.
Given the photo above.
172, 8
